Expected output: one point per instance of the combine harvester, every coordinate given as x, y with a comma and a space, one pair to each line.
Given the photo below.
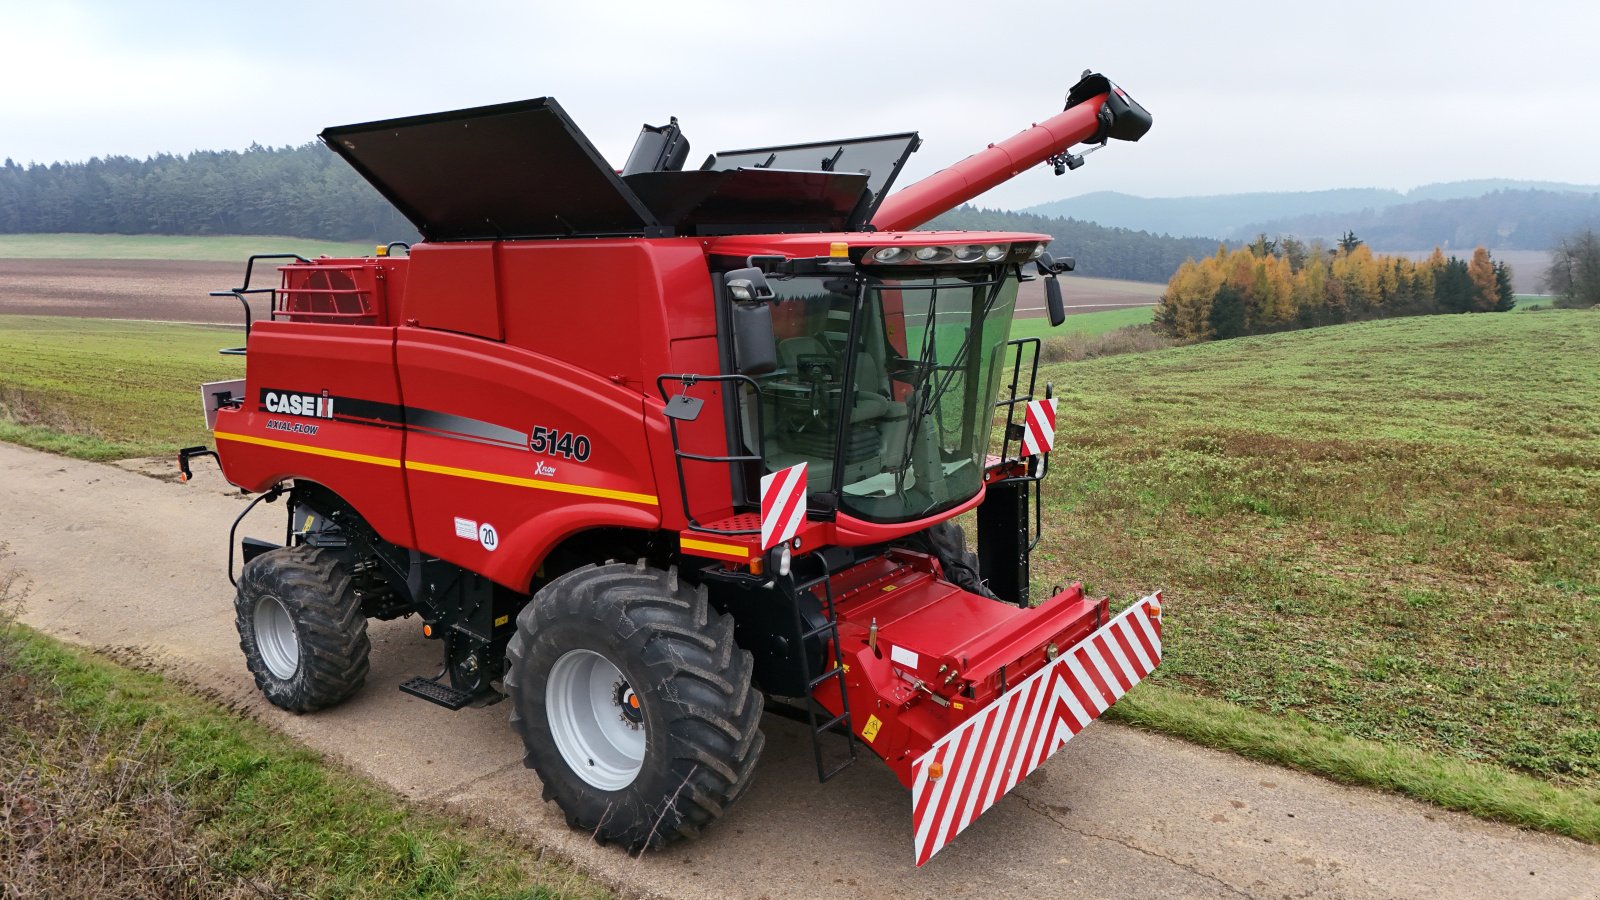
651, 452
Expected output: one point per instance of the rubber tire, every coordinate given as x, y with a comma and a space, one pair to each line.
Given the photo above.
702, 717
947, 543
316, 591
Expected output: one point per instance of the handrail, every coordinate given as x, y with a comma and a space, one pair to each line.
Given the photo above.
687, 381
239, 293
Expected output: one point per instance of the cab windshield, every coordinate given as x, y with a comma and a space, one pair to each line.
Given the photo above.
907, 437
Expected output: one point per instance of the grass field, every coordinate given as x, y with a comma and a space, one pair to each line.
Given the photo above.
229, 248
99, 389
1391, 529
1088, 324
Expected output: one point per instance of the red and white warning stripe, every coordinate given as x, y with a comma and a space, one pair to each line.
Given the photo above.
967, 770
1039, 428
783, 505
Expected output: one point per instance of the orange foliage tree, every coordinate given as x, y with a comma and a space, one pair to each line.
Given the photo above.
1284, 284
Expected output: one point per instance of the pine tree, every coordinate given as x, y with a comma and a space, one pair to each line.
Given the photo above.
1502, 280
1227, 316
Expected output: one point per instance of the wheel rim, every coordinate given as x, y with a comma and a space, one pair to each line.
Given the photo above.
596, 719
276, 639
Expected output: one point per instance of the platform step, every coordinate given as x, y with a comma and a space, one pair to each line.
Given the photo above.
434, 692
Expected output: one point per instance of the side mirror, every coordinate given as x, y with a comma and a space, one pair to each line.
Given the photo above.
1049, 267
1053, 301
755, 345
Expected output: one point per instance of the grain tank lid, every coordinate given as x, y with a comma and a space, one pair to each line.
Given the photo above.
513, 170
879, 158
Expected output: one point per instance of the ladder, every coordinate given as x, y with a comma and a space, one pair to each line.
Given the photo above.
817, 718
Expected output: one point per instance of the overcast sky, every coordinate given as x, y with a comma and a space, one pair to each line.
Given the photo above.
1246, 96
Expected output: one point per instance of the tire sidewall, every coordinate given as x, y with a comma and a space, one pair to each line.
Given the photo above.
658, 776
252, 593
263, 578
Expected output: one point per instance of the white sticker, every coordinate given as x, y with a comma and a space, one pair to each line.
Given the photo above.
904, 657
466, 528
488, 537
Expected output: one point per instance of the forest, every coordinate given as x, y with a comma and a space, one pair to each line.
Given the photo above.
303, 191
1100, 252
309, 192
1286, 284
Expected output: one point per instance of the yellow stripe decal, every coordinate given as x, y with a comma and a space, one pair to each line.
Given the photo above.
302, 448
474, 474
537, 485
709, 547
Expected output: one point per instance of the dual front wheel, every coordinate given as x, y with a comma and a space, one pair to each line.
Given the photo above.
633, 702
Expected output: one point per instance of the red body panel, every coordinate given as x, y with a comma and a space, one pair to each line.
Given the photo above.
532, 499
453, 288
360, 461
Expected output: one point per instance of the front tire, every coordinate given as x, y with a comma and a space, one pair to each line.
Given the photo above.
634, 704
947, 542
301, 628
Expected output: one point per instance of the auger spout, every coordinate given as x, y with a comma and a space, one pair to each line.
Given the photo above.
1096, 110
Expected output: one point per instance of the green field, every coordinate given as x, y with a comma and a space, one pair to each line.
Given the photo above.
229, 248
1391, 529
1087, 324
102, 389
1380, 542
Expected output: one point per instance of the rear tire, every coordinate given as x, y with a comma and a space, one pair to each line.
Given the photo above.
634, 704
947, 542
301, 628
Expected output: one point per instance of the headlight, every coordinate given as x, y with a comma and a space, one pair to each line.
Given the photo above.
935, 254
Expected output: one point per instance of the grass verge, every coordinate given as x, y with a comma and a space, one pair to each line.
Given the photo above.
1475, 788
116, 783
203, 248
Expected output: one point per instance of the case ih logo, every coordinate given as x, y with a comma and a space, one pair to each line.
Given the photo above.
292, 404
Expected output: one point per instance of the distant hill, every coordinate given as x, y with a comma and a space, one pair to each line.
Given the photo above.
1100, 252
1502, 220
1241, 216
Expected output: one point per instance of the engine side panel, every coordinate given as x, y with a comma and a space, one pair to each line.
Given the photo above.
322, 404
508, 452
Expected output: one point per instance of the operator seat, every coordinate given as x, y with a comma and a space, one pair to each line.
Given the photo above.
870, 402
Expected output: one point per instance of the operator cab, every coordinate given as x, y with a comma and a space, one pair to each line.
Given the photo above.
884, 370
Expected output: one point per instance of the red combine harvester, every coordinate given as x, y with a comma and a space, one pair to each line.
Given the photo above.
651, 452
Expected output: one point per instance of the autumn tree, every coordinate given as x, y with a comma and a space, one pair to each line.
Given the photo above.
1258, 288
1485, 286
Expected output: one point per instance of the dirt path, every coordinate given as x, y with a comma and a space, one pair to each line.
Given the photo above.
134, 566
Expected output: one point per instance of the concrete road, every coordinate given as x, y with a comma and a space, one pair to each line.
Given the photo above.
127, 564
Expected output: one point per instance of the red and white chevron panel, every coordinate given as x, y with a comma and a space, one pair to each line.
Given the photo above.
967, 770
1039, 427
783, 505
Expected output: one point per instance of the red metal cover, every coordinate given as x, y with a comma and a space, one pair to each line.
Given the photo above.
967, 770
